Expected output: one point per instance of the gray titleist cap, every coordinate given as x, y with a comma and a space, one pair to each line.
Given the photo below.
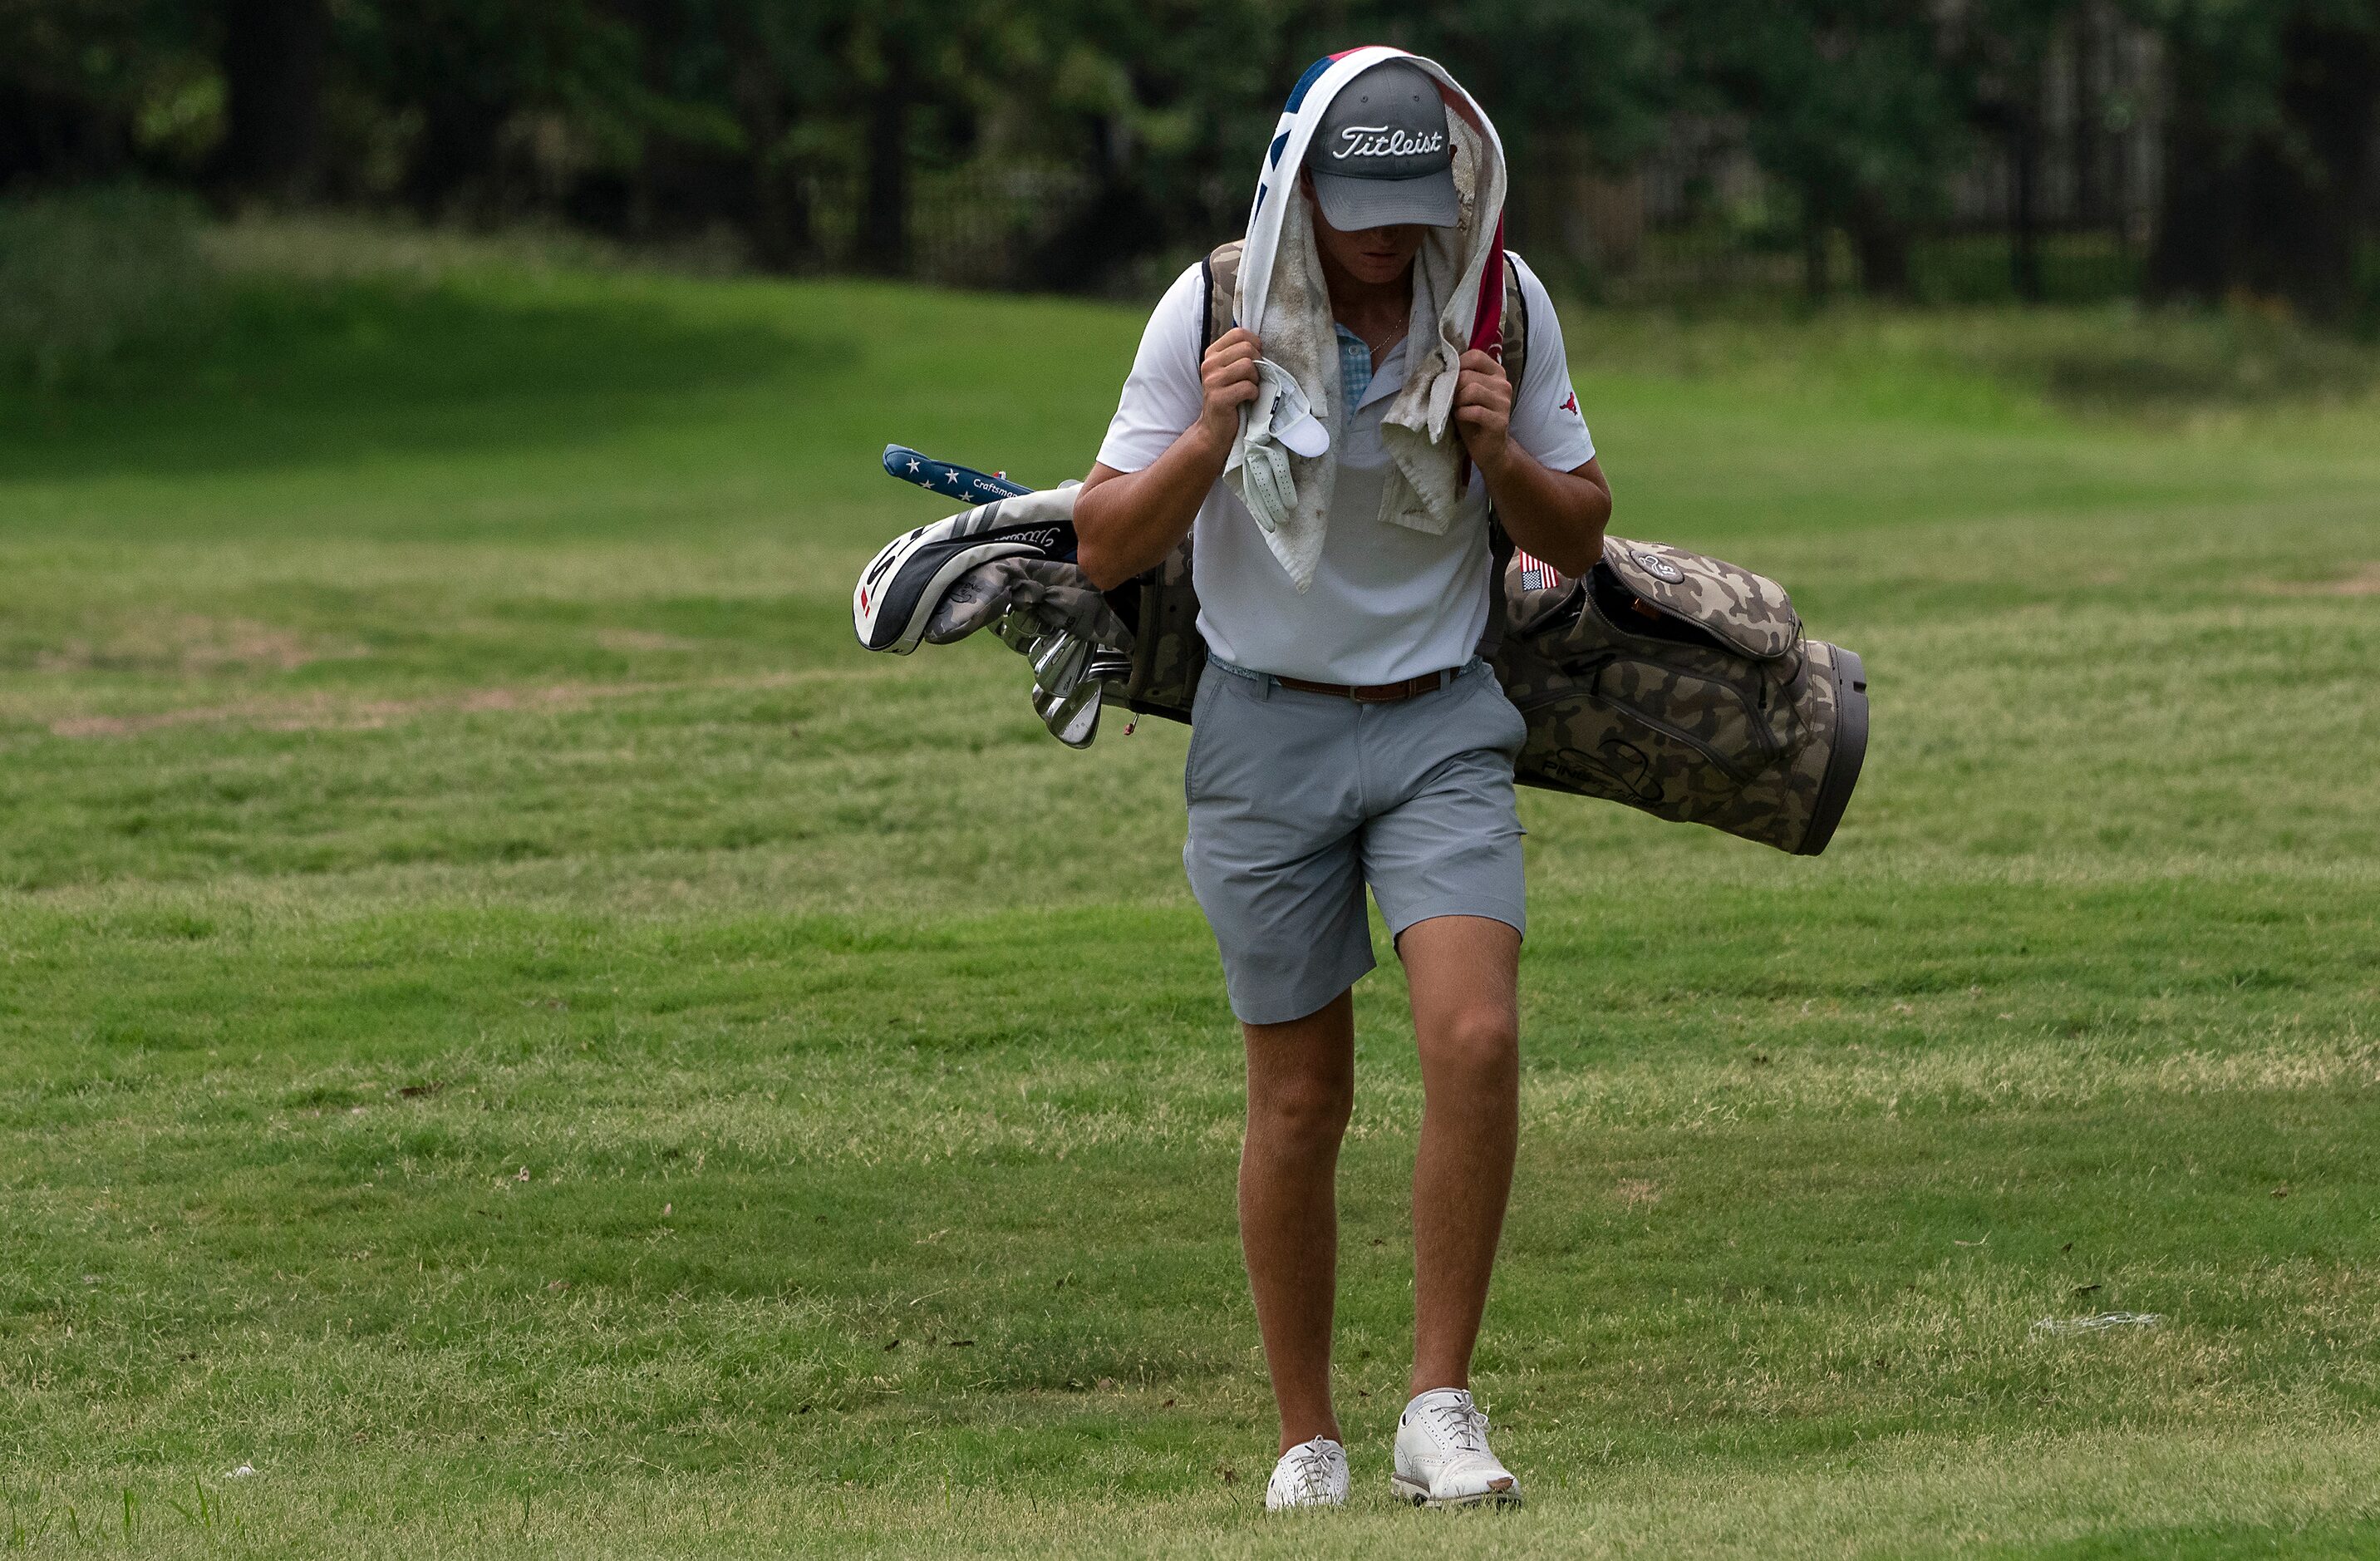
1382, 156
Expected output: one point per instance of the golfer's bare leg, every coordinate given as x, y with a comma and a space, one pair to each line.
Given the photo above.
1300, 1086
1464, 973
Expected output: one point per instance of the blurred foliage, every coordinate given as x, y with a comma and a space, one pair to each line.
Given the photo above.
1858, 106
2272, 149
1130, 128
90, 88
86, 275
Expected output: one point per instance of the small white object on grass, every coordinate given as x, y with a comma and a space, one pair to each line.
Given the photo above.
242, 1472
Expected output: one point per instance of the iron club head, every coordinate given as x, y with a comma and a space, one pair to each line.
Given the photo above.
1075, 719
1058, 663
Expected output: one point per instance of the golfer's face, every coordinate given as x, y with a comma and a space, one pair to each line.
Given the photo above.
1370, 254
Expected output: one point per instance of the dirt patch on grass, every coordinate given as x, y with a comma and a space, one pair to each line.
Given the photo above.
326, 712
643, 640
2364, 581
190, 643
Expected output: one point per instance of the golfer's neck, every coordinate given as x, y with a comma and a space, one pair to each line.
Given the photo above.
1353, 300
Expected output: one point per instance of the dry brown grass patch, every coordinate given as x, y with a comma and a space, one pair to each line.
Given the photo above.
190, 642
326, 712
2364, 581
643, 640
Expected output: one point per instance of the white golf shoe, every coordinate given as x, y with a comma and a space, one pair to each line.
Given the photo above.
1310, 1474
1442, 1457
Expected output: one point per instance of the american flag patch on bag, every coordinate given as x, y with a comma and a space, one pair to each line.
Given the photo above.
1536, 574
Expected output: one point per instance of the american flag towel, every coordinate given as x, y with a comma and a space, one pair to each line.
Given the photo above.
1536, 574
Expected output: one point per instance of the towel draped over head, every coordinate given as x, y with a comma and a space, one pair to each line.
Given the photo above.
1458, 297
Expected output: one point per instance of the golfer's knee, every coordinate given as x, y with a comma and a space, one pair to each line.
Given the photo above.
1301, 1111
1475, 1047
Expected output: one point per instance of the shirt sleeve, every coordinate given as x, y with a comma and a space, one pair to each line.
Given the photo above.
1164, 394
1546, 418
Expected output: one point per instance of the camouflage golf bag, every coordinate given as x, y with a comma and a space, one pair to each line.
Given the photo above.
1684, 685
1671, 682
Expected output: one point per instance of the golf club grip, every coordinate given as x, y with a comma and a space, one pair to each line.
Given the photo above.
951, 482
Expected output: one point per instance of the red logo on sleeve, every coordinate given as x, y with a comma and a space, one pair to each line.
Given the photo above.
1570, 406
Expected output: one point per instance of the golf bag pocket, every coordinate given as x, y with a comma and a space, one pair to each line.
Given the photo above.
1168, 654
1688, 721
1651, 591
1537, 600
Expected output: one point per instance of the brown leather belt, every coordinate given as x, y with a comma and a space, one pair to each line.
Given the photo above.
1376, 693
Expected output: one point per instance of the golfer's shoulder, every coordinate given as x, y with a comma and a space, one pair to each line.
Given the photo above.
1183, 305
1171, 341
1179, 312
1539, 302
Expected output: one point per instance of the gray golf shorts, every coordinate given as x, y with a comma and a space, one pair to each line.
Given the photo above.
1298, 800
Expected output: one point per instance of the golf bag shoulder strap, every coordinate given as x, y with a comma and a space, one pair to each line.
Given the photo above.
1220, 270
1515, 324
1515, 332
1161, 604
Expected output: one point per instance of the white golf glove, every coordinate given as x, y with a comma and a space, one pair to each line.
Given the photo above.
1280, 422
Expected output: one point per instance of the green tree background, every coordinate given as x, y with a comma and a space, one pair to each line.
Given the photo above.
777, 122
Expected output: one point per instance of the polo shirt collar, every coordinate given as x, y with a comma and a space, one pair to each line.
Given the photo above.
1388, 378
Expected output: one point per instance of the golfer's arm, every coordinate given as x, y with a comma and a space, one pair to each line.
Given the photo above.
1127, 521
1558, 516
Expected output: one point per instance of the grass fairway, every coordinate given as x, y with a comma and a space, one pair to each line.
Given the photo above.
515, 1029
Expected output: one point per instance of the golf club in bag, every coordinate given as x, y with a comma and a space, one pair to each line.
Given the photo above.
916, 576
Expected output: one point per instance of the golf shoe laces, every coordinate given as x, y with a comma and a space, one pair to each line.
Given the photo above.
1462, 1424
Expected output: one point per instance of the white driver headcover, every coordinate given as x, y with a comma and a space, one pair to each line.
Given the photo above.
1277, 424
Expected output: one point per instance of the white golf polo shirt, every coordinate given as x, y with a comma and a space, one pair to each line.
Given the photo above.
1386, 602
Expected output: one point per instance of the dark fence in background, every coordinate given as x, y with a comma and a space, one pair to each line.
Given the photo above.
2061, 205
1944, 151
1697, 220
2074, 181
969, 227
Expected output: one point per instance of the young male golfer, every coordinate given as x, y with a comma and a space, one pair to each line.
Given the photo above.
1346, 732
